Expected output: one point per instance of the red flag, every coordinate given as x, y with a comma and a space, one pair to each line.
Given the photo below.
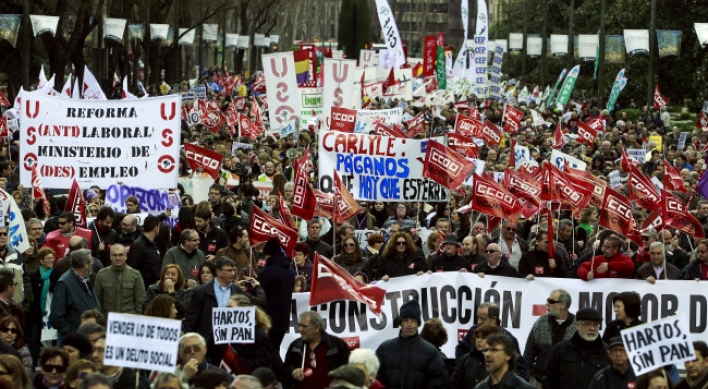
557, 188
239, 103
304, 200
441, 40
247, 127
466, 126
418, 70
673, 180
264, 227
596, 124
492, 199
343, 119
208, 160
642, 190
345, 207
75, 204
325, 206
257, 115
598, 186
416, 125
702, 121
232, 363
381, 129
675, 215
446, 167
627, 160
659, 99
330, 283
284, 212
586, 134
390, 81
526, 190
653, 220
616, 213
259, 84
210, 115
512, 155
490, 133
558, 139
512, 119
232, 116
551, 244
429, 50
474, 113
462, 145
38, 192
3, 100
4, 128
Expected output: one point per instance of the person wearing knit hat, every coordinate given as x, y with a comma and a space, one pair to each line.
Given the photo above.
272, 247
278, 281
77, 347
409, 361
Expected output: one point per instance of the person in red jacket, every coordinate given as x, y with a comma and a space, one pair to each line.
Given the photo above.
611, 264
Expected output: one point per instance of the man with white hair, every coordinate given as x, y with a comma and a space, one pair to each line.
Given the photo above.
366, 360
192, 352
246, 382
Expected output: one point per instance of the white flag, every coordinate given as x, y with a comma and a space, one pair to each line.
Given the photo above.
92, 89
390, 31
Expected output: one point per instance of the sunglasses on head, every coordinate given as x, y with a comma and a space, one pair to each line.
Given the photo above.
49, 368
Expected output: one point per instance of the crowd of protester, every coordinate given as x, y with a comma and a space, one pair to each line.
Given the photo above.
205, 261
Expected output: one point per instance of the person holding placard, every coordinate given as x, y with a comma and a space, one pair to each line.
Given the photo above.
257, 354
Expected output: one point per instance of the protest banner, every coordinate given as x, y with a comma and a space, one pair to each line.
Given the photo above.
338, 86
657, 139
142, 342
310, 101
72, 139
453, 297
559, 158
638, 154
237, 145
377, 168
234, 325
658, 343
280, 77
391, 116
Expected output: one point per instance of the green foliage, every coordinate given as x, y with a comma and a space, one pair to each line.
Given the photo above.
632, 114
685, 116
685, 126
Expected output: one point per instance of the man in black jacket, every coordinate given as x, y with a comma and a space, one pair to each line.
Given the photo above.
144, 256
278, 282
495, 266
500, 359
450, 260
574, 361
313, 355
313, 241
198, 317
410, 361
211, 238
103, 235
618, 374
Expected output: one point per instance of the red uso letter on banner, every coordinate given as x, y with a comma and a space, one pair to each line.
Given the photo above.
338, 85
281, 82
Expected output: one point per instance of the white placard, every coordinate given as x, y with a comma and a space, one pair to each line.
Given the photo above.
142, 342
188, 38
702, 33
615, 179
259, 40
587, 46
638, 154
559, 44
682, 140
557, 158
367, 58
242, 42
658, 343
338, 85
234, 325
44, 23
159, 31
232, 41
636, 41
392, 116
114, 29
274, 39
100, 142
534, 44
516, 41
279, 71
310, 100
210, 32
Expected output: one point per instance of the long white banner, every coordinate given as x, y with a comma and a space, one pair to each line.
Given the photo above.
100, 142
453, 298
281, 83
338, 86
377, 168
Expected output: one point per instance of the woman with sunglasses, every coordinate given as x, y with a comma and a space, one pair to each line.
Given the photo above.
12, 333
76, 372
54, 363
11, 368
400, 257
351, 258
375, 244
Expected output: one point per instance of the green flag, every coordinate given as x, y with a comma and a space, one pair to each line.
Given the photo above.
440, 68
617, 86
568, 85
553, 92
597, 61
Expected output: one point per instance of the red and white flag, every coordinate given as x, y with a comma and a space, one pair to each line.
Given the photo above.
345, 207
659, 99
124, 92
464, 146
247, 128
330, 282
200, 157
616, 213
586, 134
597, 185
526, 189
232, 117
416, 125
343, 119
445, 166
549, 227
674, 214
558, 139
381, 129
325, 204
304, 200
264, 227
38, 191
512, 119
628, 160
3, 100
4, 128
490, 198
66, 89
557, 188
641, 190
285, 215
673, 180
91, 89
490, 133
466, 126
76, 204
210, 115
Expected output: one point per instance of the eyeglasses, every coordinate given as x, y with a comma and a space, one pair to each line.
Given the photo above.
10, 330
188, 349
491, 251
401, 243
349, 245
93, 210
35, 228
587, 324
49, 368
552, 301
313, 362
511, 229
491, 350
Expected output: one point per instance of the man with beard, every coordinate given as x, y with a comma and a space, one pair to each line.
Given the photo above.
550, 329
103, 235
574, 362
500, 359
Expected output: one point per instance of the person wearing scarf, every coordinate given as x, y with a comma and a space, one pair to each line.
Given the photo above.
40, 282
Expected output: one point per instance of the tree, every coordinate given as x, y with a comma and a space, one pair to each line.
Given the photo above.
354, 27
